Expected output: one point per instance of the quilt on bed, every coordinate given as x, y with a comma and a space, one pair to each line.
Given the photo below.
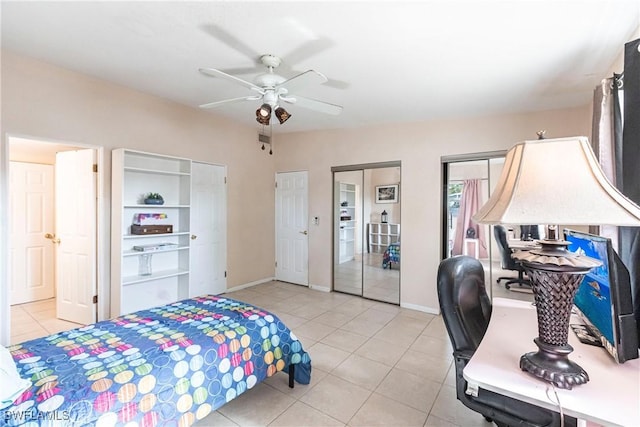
169, 365
391, 255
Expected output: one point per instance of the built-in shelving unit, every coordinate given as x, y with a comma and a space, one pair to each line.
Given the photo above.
143, 279
348, 222
381, 235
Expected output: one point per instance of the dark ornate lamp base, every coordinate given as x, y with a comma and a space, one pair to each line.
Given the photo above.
551, 363
555, 276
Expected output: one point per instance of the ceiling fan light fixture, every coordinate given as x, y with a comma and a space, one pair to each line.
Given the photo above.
263, 114
282, 115
264, 110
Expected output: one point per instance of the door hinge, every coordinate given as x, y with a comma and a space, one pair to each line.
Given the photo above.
225, 179
225, 274
95, 299
276, 184
276, 264
95, 167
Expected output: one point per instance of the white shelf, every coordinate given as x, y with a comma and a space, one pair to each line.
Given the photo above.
159, 251
135, 174
150, 236
347, 229
155, 171
381, 235
143, 206
132, 280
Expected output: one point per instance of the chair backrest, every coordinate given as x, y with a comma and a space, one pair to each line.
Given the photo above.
529, 232
464, 303
500, 233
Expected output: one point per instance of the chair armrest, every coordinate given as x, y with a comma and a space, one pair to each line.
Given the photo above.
463, 355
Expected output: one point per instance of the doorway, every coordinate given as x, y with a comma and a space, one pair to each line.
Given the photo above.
366, 223
208, 227
292, 227
53, 229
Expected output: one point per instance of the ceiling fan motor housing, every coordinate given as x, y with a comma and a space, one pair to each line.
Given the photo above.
270, 97
270, 61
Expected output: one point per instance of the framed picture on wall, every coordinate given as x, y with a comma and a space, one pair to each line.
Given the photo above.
387, 193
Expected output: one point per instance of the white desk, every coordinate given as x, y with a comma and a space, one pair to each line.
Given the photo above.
610, 398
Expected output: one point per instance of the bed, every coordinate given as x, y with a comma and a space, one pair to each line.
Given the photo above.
391, 255
169, 365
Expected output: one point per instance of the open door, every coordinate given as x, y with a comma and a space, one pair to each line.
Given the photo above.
76, 236
208, 252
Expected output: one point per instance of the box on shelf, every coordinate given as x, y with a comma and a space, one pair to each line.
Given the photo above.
151, 229
155, 247
156, 218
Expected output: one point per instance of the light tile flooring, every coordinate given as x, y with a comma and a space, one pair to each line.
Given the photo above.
373, 364
381, 284
35, 320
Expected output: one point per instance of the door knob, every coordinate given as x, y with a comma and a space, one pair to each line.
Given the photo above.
52, 237
194, 237
305, 232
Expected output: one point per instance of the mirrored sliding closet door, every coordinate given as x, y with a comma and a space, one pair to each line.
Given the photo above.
367, 231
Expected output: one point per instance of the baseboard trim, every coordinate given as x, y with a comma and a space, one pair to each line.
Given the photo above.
319, 288
422, 308
251, 284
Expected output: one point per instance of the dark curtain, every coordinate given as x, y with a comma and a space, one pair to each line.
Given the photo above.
630, 165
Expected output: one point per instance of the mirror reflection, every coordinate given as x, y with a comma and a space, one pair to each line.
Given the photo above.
367, 234
347, 270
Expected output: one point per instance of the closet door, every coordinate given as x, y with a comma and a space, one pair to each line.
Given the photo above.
381, 260
208, 230
366, 252
347, 262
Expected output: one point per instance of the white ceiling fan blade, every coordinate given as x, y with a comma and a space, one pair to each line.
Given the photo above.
312, 104
230, 101
217, 73
308, 78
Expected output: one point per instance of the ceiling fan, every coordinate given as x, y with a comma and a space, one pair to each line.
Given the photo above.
274, 89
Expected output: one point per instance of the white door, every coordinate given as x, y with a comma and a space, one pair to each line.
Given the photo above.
208, 253
32, 217
76, 236
292, 233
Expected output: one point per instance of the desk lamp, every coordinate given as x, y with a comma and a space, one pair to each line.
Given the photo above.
555, 181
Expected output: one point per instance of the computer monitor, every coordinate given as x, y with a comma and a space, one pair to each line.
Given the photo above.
604, 296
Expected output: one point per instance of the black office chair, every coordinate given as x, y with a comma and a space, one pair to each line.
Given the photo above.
529, 232
466, 310
507, 262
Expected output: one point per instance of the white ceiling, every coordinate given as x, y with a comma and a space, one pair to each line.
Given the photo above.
387, 61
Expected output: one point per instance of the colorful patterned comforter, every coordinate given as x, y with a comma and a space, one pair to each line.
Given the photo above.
170, 365
391, 255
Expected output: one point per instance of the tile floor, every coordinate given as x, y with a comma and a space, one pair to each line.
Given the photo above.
35, 320
373, 364
382, 284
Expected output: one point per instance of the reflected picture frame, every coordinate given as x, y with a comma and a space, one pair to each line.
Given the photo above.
387, 193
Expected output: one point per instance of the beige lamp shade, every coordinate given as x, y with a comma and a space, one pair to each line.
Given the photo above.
556, 181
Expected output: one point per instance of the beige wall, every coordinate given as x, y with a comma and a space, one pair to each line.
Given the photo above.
43, 101
50, 103
419, 147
